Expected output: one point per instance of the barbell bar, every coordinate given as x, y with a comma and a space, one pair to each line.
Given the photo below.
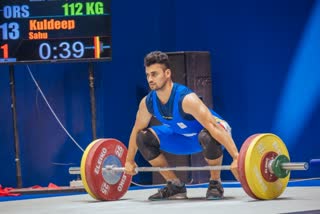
286, 166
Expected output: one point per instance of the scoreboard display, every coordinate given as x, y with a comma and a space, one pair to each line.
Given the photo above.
54, 30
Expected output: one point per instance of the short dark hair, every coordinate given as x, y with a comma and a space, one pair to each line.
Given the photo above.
155, 57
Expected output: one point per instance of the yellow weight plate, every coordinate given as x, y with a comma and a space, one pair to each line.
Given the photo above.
83, 169
260, 146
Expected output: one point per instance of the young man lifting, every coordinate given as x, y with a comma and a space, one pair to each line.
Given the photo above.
188, 127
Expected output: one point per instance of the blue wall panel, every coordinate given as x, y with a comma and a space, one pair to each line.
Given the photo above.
7, 152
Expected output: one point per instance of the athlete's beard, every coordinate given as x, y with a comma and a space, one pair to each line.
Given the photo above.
160, 87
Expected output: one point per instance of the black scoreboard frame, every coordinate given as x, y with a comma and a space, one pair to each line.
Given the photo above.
46, 31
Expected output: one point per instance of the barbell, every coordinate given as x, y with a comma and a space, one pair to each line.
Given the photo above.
264, 168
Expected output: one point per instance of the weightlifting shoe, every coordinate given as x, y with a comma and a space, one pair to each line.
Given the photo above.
215, 190
170, 192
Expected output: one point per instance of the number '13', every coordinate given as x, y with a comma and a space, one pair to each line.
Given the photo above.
10, 31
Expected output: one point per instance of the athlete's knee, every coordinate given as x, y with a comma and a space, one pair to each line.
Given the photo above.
212, 149
148, 144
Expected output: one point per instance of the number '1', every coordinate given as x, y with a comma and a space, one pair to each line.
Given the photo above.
5, 51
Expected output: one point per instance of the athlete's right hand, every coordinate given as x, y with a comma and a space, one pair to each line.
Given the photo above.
130, 167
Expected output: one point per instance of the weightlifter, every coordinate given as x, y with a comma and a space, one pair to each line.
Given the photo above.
188, 127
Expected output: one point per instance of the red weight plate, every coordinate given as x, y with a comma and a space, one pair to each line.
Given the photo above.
241, 166
265, 172
107, 185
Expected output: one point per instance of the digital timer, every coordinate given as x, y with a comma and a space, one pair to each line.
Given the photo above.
64, 50
52, 31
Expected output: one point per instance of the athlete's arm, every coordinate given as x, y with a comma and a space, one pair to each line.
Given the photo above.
142, 121
191, 104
